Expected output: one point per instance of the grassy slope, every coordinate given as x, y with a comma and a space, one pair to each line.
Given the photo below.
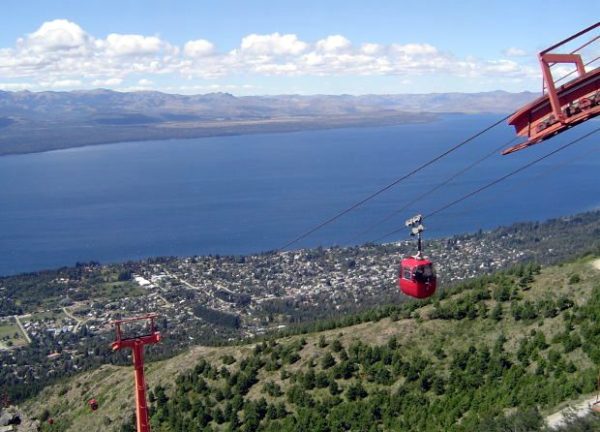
112, 385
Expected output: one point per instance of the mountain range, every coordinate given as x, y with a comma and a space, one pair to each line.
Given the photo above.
41, 121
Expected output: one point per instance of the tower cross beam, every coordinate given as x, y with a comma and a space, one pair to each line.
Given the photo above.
136, 344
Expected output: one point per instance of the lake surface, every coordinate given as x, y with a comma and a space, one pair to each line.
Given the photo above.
245, 194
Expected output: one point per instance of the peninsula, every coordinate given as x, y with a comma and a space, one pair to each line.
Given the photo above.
35, 122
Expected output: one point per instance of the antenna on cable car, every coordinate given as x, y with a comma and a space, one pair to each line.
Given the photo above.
416, 228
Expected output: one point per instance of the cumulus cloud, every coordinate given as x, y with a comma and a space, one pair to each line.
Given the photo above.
110, 82
198, 48
60, 54
11, 86
61, 84
503, 66
131, 45
277, 69
57, 35
273, 44
414, 50
333, 44
370, 48
514, 52
61, 50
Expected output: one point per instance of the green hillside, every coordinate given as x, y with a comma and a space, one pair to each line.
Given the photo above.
511, 347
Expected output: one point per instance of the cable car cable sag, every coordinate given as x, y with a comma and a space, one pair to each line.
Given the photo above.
436, 188
392, 184
498, 180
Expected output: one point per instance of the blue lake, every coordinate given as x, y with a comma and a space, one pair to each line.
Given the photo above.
245, 194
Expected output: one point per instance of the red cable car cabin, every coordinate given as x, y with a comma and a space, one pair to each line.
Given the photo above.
417, 278
93, 404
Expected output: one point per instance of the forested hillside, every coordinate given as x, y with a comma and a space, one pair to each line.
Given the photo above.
501, 349
216, 300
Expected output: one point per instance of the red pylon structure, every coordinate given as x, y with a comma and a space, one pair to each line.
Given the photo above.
137, 347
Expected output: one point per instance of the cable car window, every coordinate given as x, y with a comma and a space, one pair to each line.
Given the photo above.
419, 274
406, 273
428, 270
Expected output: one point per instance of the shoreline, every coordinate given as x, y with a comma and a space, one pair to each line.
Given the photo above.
65, 137
401, 243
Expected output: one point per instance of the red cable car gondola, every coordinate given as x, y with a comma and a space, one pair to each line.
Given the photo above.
93, 404
417, 277
559, 108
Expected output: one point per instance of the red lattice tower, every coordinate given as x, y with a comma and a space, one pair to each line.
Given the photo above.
136, 344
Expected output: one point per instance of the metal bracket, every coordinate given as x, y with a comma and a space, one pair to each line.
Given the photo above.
416, 226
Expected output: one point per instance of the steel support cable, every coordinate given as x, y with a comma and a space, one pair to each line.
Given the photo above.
579, 48
390, 185
561, 165
591, 41
550, 170
498, 180
435, 188
570, 38
575, 70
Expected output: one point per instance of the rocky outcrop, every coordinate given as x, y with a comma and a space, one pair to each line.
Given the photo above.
14, 420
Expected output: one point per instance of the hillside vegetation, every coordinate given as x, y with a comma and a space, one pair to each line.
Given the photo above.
497, 353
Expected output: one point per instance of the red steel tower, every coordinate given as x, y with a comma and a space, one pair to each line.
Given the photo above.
137, 347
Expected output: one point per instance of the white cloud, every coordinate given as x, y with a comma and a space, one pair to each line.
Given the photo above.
17, 86
414, 50
370, 48
273, 44
133, 89
503, 66
61, 84
198, 48
277, 69
313, 59
204, 88
333, 44
514, 52
110, 82
60, 54
57, 35
563, 70
131, 44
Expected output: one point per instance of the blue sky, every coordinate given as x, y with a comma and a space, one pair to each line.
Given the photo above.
275, 47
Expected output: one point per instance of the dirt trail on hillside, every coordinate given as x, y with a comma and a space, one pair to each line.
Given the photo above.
580, 409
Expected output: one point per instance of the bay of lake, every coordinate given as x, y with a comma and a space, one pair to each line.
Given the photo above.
252, 193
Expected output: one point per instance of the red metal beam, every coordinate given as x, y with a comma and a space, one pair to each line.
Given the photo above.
545, 62
560, 106
136, 344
